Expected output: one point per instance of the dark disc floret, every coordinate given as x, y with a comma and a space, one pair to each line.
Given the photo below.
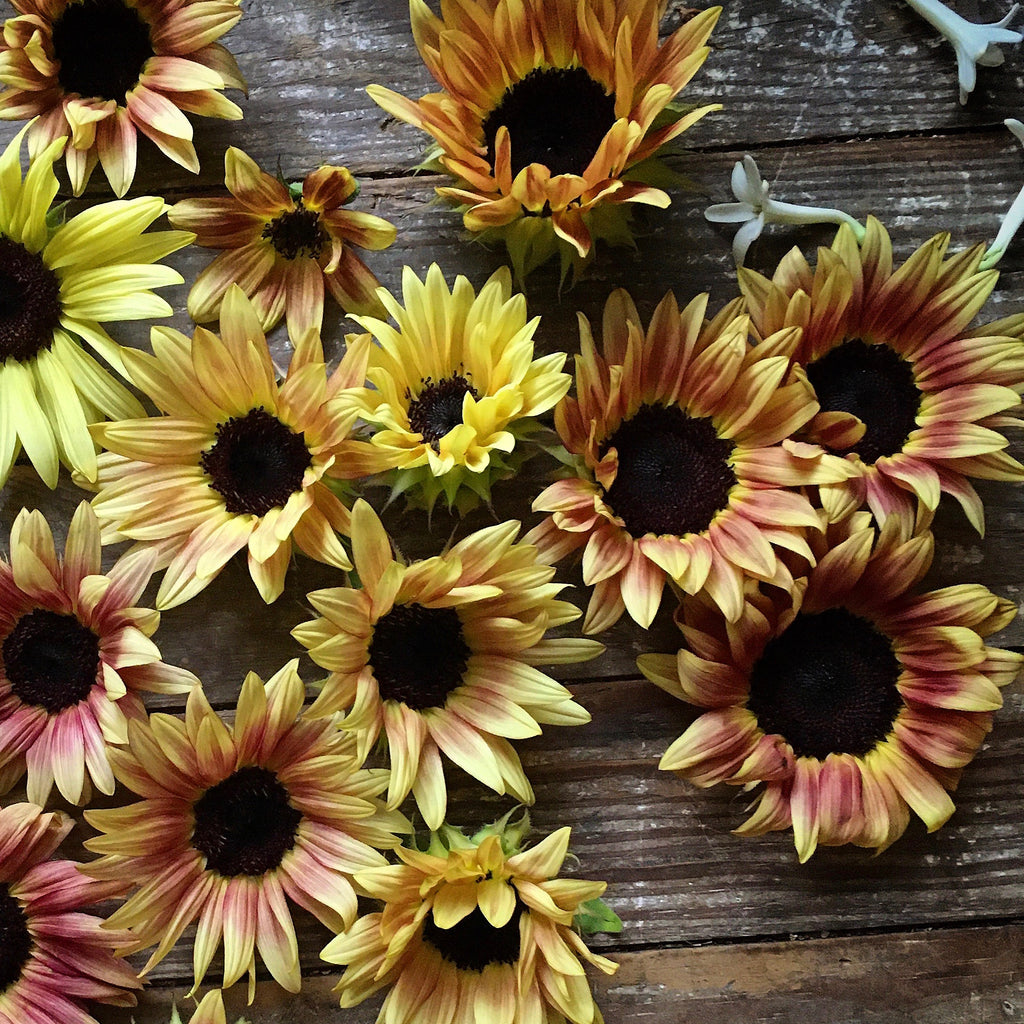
827, 685
15, 939
297, 233
438, 407
874, 383
673, 473
555, 116
474, 943
256, 462
51, 660
418, 655
101, 46
29, 302
245, 824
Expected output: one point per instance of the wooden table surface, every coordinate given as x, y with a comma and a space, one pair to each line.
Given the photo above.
851, 103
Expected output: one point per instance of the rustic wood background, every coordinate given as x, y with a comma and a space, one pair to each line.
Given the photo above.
853, 104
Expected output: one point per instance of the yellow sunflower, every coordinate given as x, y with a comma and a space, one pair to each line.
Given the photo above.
911, 396
474, 931
549, 110
100, 71
234, 822
684, 470
57, 285
237, 461
282, 248
853, 699
455, 385
75, 653
439, 656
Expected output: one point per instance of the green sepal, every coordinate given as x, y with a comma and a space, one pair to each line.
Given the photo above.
56, 215
295, 189
596, 916
442, 841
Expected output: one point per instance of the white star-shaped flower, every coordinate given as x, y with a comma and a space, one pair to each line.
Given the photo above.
1014, 216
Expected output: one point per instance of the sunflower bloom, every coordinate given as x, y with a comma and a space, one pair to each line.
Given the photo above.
455, 385
98, 72
237, 461
684, 471
282, 249
478, 931
912, 397
54, 957
75, 652
233, 823
57, 285
853, 700
439, 656
548, 110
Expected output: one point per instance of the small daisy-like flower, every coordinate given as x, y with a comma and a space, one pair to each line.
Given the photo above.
100, 71
234, 822
237, 461
283, 248
53, 957
57, 285
455, 385
439, 656
477, 931
683, 468
852, 699
75, 652
548, 109
912, 397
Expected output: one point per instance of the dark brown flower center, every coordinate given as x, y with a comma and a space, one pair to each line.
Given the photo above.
438, 407
555, 116
418, 655
51, 660
29, 302
874, 383
474, 943
245, 824
15, 939
827, 685
101, 46
673, 473
256, 462
297, 233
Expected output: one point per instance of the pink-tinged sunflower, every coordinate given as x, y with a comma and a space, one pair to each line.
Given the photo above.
853, 699
684, 468
551, 113
474, 930
283, 248
237, 461
57, 284
911, 396
235, 822
54, 958
439, 656
75, 653
455, 385
100, 71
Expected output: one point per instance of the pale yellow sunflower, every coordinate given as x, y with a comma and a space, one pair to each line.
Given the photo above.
684, 468
58, 283
549, 111
478, 931
98, 72
209, 1011
439, 656
912, 396
854, 699
283, 248
237, 461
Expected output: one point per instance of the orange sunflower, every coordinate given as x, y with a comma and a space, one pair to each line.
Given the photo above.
439, 656
101, 71
282, 248
75, 652
237, 461
684, 471
234, 822
549, 110
911, 396
852, 699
